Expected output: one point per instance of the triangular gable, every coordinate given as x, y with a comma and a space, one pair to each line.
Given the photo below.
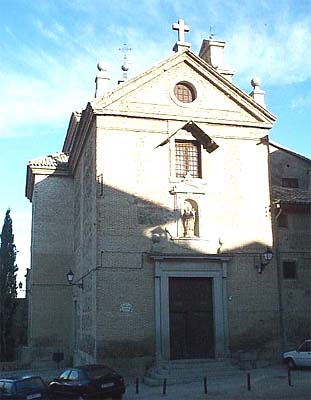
229, 90
207, 142
289, 151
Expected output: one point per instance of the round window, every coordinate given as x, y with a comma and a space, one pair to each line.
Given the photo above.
185, 92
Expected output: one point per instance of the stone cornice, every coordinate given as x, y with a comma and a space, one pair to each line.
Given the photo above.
182, 256
77, 137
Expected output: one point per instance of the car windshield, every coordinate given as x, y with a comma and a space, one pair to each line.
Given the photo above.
99, 372
305, 346
29, 384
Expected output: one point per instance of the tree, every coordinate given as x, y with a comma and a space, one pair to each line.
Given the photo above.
8, 289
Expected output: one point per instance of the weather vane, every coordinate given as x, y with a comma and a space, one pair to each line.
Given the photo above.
211, 33
125, 66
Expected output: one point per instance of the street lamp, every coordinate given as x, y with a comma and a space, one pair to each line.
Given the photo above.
70, 275
265, 259
262, 260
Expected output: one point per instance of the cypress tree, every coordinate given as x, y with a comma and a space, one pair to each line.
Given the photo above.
8, 289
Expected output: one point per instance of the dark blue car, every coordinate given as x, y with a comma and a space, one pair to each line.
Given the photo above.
23, 388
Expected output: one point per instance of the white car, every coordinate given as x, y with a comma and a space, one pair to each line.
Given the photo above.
300, 357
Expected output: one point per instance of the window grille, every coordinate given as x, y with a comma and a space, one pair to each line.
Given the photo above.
184, 93
187, 159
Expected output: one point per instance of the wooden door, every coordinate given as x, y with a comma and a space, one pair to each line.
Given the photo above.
191, 318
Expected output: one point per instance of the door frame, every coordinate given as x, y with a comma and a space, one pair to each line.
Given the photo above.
214, 267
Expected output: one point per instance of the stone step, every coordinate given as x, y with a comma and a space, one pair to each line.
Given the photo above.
199, 364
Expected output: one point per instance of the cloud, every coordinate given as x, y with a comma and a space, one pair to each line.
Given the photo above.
47, 82
301, 102
50, 72
280, 54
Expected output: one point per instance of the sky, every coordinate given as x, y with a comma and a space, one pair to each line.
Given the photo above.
49, 50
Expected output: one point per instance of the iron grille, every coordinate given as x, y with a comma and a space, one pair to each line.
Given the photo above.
187, 159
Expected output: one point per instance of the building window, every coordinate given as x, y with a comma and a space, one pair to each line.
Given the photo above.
187, 159
290, 182
289, 270
184, 92
283, 220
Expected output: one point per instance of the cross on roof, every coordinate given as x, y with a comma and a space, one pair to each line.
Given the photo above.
181, 28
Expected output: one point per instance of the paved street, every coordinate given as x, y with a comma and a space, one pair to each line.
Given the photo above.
265, 383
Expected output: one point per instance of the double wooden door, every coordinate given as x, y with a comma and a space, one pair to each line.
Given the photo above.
191, 318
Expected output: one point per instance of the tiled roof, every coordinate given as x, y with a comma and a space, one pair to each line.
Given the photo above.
291, 195
57, 160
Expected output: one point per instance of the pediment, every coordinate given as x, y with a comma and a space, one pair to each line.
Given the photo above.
152, 94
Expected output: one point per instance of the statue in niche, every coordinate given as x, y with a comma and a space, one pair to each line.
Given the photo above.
188, 220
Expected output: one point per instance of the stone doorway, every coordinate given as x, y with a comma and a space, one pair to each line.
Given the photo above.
191, 318
209, 271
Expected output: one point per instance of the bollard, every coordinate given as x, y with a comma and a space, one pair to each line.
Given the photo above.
289, 375
205, 385
164, 387
248, 381
137, 385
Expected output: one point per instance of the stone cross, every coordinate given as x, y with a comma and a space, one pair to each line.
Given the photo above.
181, 28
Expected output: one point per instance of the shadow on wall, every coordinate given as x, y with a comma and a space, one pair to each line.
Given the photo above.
128, 230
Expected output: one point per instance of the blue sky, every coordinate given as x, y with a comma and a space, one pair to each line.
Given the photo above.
49, 50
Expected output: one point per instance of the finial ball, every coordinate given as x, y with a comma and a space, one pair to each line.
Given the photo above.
256, 82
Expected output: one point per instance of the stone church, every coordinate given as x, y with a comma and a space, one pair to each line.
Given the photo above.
184, 232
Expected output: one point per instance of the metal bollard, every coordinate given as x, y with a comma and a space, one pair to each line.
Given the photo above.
164, 387
248, 381
289, 376
205, 385
137, 385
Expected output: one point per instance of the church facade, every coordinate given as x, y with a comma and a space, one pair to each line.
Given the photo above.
164, 205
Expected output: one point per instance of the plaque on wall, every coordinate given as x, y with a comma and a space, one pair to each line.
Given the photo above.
126, 307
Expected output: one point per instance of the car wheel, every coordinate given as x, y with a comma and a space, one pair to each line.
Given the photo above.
290, 363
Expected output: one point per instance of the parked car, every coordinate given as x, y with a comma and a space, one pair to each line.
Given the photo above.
88, 381
23, 388
300, 357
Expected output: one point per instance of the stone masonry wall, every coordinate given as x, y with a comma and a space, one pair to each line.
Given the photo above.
85, 253
52, 248
134, 200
